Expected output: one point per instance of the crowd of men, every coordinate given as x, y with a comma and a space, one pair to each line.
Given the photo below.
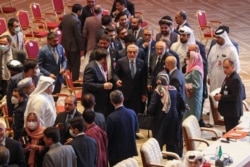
121, 63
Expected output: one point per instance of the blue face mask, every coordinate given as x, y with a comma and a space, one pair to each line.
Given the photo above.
4, 48
17, 29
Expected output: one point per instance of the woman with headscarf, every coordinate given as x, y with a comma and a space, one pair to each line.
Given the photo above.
163, 106
32, 139
194, 84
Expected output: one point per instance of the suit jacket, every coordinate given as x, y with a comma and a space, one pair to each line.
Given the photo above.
138, 34
93, 83
131, 87
61, 118
130, 7
146, 49
71, 33
230, 104
16, 152
173, 37
122, 125
86, 150
60, 155
12, 84
155, 68
91, 26
86, 12
48, 64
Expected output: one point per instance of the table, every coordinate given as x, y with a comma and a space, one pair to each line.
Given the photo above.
238, 147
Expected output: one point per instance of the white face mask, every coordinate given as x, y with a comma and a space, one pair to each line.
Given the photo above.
14, 100
4, 48
71, 133
32, 125
17, 29
37, 72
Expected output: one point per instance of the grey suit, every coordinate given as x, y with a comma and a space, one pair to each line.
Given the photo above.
173, 37
60, 155
72, 42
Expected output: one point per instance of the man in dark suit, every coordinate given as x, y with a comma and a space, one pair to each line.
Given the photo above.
85, 147
130, 6
87, 11
96, 80
177, 80
166, 30
51, 60
7, 53
30, 69
122, 124
72, 40
147, 43
63, 118
15, 148
130, 78
136, 28
106, 22
115, 43
181, 20
122, 32
230, 96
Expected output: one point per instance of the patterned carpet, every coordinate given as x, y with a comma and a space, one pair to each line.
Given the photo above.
234, 14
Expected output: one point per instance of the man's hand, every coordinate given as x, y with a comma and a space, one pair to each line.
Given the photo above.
52, 76
149, 88
217, 97
62, 71
145, 44
143, 98
119, 83
108, 85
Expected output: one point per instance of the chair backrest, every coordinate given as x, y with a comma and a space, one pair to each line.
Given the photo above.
32, 49
105, 12
218, 119
201, 18
151, 152
58, 6
36, 10
130, 162
191, 129
23, 18
68, 80
3, 26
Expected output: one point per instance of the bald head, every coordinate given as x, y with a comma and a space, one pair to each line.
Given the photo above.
194, 47
170, 62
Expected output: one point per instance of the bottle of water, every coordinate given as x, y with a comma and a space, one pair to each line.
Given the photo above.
219, 152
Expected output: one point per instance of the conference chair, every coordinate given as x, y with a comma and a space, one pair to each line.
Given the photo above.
152, 155
3, 27
59, 8
32, 49
8, 9
129, 162
39, 16
205, 27
196, 137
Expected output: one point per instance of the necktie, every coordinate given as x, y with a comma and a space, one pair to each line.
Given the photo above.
68, 118
135, 33
112, 45
17, 41
132, 68
55, 55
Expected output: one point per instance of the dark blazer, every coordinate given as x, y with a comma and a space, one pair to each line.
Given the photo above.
139, 34
93, 83
61, 118
12, 84
155, 68
230, 104
122, 125
71, 33
86, 150
16, 152
48, 64
146, 50
86, 12
130, 6
173, 37
132, 88
116, 45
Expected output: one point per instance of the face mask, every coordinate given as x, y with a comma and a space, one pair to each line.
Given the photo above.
17, 29
4, 48
32, 125
14, 100
71, 133
37, 72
